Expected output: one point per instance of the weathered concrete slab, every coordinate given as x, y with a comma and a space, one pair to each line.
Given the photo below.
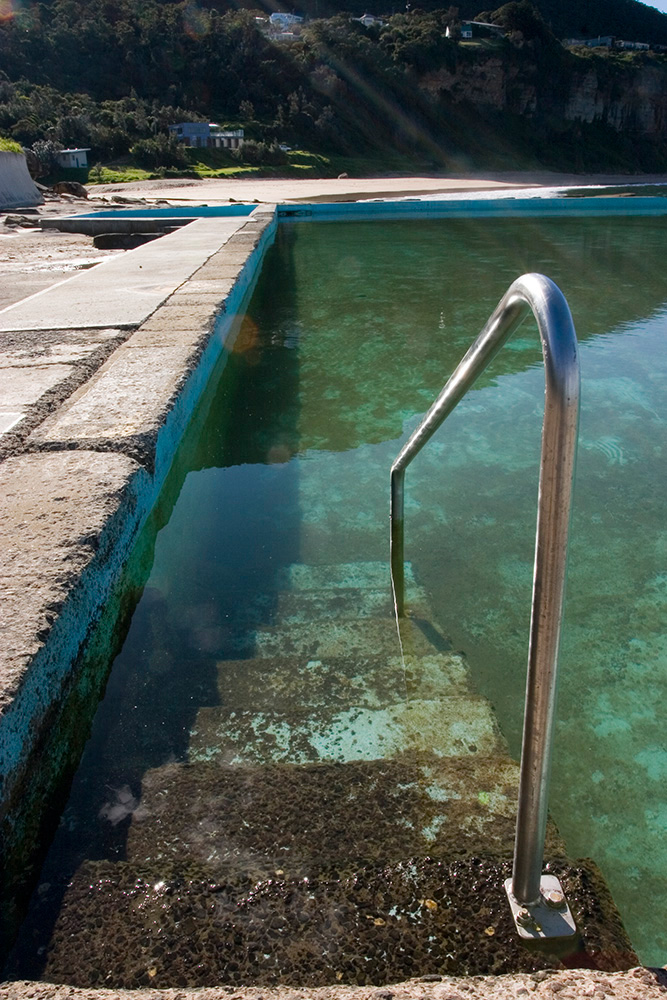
332, 683
37, 348
221, 269
60, 514
233, 257
128, 398
17, 188
186, 297
575, 984
123, 291
196, 312
123, 926
38, 369
452, 727
20, 387
251, 819
208, 286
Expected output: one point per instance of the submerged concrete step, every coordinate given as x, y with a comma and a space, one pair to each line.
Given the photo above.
357, 638
295, 607
122, 925
451, 727
346, 816
282, 819
302, 606
334, 576
279, 684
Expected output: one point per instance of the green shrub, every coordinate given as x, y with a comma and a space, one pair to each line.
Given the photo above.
160, 151
260, 154
9, 146
46, 151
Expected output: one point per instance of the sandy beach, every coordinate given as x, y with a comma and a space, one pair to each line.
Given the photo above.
357, 188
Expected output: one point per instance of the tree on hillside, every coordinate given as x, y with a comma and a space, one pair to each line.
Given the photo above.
520, 16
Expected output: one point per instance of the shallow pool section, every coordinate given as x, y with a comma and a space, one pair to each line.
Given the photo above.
280, 520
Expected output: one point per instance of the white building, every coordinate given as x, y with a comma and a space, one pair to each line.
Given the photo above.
478, 29
370, 19
226, 138
73, 158
285, 22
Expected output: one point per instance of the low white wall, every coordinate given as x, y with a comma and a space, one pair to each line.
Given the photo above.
17, 188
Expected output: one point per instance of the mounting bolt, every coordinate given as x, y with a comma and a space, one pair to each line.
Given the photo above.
555, 899
524, 917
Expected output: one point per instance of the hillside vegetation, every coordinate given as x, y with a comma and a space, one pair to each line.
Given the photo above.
112, 74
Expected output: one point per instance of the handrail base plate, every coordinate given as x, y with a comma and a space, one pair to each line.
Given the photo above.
541, 919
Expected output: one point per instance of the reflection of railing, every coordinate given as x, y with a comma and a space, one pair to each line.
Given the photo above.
538, 905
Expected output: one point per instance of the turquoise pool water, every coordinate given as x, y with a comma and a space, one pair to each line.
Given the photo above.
352, 330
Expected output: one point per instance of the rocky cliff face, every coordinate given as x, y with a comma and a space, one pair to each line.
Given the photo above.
490, 83
637, 102
629, 99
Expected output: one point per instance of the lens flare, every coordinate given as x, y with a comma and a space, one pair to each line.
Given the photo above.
196, 22
8, 9
247, 340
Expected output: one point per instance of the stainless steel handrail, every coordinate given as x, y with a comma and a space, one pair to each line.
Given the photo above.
536, 293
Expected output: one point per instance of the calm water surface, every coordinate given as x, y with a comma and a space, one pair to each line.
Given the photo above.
352, 330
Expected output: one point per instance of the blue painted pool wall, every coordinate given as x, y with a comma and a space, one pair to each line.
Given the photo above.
173, 212
502, 208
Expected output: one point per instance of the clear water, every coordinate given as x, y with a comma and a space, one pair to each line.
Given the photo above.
352, 330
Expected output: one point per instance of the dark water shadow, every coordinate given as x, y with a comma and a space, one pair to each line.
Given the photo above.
211, 549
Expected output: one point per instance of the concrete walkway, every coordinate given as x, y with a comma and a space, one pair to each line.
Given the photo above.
51, 342
122, 291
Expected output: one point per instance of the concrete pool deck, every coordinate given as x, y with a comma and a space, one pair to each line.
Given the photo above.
103, 386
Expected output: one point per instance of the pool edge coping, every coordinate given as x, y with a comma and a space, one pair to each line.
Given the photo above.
577, 983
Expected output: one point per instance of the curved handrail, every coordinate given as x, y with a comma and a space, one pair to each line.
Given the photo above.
536, 293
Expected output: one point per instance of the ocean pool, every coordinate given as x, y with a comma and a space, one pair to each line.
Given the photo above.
352, 330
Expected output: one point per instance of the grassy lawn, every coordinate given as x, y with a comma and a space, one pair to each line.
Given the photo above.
117, 174
212, 163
